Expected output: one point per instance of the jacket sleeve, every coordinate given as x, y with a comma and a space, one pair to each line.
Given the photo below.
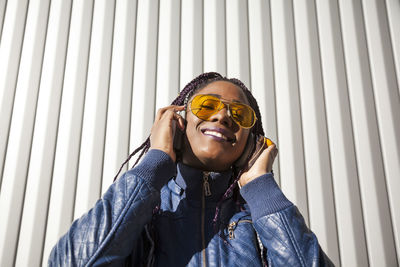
107, 234
280, 226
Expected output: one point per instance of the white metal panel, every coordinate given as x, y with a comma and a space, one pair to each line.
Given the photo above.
119, 102
393, 11
191, 63
143, 98
3, 4
94, 120
168, 53
380, 241
61, 206
10, 54
237, 41
33, 224
387, 102
316, 150
292, 170
19, 144
214, 36
303, 96
353, 250
262, 69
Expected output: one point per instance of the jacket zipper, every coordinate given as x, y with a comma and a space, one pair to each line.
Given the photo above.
206, 192
232, 227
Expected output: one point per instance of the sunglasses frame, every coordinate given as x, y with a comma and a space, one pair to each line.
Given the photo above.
226, 104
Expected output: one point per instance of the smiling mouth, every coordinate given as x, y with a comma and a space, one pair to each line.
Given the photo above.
218, 135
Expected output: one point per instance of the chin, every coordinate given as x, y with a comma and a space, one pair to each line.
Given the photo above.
210, 157
212, 165
207, 161
216, 161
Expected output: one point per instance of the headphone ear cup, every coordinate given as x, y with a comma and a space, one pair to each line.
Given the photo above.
248, 149
178, 139
261, 144
179, 134
254, 147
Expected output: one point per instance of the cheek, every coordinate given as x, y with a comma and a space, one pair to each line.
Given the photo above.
191, 133
191, 127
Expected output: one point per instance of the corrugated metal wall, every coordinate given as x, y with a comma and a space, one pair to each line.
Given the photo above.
80, 82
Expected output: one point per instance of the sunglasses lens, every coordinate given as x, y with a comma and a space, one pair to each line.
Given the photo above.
204, 106
242, 114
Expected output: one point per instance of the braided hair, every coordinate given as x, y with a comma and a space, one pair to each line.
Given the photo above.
188, 91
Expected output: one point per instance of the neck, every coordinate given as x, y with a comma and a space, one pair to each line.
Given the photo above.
192, 180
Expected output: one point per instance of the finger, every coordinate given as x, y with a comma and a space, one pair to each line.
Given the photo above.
273, 154
173, 120
180, 121
162, 111
276, 151
268, 153
170, 115
271, 147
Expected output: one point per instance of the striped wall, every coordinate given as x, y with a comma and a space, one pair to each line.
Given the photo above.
80, 83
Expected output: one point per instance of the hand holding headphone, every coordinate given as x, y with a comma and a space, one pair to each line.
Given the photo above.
260, 162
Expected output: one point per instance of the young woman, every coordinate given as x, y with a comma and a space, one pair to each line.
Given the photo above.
209, 201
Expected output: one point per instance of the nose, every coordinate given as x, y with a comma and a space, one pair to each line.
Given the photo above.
223, 116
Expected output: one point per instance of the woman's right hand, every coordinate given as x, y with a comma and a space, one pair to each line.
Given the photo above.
164, 127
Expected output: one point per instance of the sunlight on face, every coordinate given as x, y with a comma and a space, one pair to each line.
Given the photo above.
215, 144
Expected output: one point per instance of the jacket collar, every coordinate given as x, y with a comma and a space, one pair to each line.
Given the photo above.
191, 181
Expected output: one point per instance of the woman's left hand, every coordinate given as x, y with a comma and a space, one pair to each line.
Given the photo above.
262, 165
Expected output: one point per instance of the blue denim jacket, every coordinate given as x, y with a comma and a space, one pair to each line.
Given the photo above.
115, 232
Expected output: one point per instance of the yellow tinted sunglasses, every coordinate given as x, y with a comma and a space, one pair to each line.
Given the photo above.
204, 106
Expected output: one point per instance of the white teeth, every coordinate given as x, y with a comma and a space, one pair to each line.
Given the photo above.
217, 134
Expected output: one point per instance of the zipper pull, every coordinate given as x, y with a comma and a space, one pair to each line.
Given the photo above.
231, 227
206, 185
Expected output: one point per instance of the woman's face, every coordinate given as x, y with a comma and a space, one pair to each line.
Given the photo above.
204, 148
